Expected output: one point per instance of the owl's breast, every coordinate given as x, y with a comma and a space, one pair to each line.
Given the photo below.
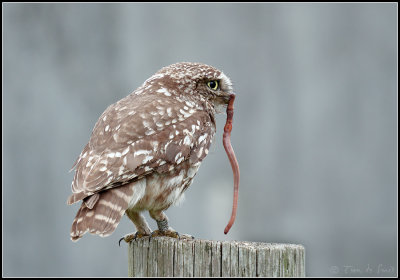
165, 186
161, 190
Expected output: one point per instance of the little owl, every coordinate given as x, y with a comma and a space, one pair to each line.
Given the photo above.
146, 148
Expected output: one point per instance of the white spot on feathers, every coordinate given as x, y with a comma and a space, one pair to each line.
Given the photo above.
165, 91
186, 141
104, 168
141, 152
177, 156
203, 137
124, 152
149, 132
190, 104
90, 213
146, 124
199, 153
147, 159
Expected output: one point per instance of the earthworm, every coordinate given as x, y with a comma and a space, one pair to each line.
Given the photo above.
232, 158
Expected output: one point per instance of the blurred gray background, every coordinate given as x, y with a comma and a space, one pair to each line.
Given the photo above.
315, 126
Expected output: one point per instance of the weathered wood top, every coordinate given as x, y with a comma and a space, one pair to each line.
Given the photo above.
169, 257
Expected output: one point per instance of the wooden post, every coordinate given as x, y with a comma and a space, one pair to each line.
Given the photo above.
169, 257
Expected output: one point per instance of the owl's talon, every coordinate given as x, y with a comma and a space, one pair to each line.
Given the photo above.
119, 242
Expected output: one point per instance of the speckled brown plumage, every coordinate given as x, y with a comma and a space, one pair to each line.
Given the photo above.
146, 148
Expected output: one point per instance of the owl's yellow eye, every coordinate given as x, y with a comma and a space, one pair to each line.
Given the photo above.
214, 85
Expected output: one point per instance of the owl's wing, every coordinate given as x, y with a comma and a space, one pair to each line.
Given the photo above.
135, 137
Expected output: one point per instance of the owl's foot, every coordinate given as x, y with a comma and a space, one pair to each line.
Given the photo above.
164, 230
131, 236
168, 233
171, 233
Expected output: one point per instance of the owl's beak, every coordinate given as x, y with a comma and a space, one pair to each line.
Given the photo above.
221, 101
226, 97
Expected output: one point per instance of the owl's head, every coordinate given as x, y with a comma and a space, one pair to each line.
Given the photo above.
200, 81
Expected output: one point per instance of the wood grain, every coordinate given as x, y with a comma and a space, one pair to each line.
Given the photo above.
169, 257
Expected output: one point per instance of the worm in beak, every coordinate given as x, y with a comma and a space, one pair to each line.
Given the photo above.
232, 158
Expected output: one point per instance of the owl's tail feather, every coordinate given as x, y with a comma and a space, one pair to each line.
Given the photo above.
105, 215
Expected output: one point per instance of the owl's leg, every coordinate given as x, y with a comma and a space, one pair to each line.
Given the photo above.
162, 223
142, 228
